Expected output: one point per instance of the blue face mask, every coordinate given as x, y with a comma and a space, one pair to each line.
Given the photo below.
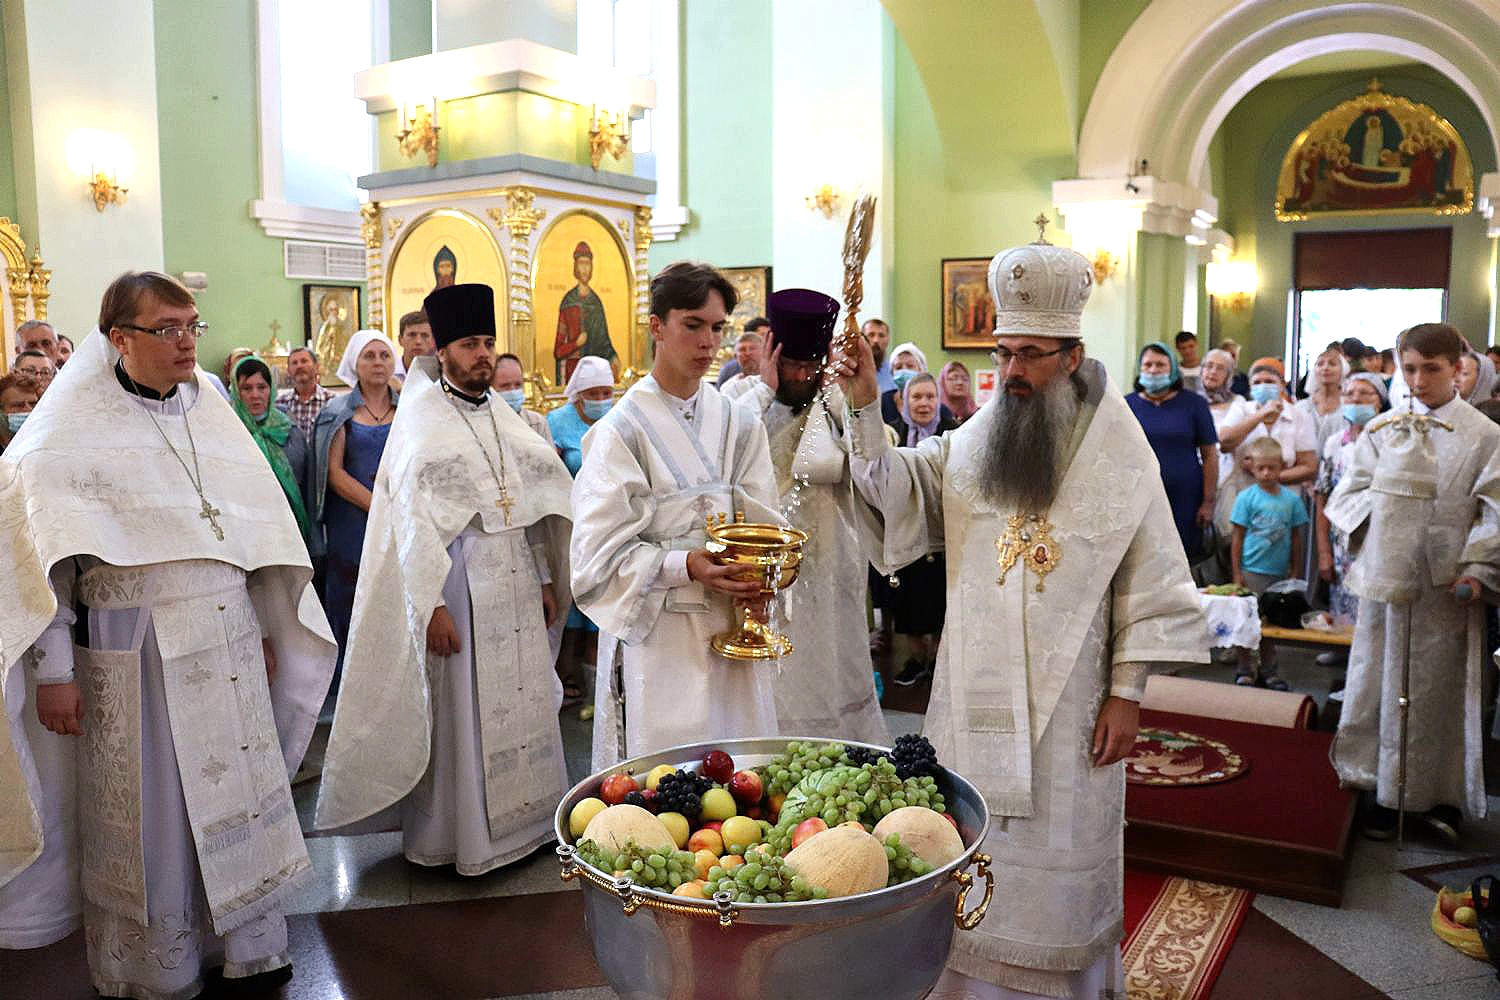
1265, 392
1154, 382
595, 409
902, 377
15, 420
515, 397
1359, 414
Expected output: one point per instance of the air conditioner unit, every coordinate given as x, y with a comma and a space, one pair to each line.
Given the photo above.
323, 261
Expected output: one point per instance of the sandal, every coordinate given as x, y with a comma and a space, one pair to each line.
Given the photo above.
572, 695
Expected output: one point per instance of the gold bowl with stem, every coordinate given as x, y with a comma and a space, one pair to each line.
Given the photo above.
771, 553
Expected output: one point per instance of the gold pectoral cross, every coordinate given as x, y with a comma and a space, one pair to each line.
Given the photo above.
1028, 538
505, 503
210, 513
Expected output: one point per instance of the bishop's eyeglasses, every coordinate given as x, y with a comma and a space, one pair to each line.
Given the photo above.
171, 334
1003, 356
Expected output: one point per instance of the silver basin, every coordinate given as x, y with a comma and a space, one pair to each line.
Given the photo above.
891, 944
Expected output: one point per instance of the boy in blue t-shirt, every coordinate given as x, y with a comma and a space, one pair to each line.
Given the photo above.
1267, 545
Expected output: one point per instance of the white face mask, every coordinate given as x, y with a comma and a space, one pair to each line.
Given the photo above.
15, 420
515, 397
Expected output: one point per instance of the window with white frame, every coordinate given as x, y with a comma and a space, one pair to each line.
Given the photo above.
618, 33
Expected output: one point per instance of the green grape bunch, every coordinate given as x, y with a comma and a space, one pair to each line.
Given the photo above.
904, 865
655, 869
866, 794
763, 880
801, 759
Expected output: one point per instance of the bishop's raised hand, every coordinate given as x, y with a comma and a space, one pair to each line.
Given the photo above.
855, 371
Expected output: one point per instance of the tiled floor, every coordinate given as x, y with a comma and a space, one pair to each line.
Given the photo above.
1381, 934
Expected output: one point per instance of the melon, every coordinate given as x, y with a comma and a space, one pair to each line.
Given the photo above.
923, 832
619, 825
844, 861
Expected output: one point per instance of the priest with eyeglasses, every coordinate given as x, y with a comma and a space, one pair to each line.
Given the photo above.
448, 708
163, 659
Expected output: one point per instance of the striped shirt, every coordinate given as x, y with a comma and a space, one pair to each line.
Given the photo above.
304, 412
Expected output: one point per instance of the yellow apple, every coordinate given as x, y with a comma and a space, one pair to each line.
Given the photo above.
718, 804
654, 776
740, 831
585, 810
677, 826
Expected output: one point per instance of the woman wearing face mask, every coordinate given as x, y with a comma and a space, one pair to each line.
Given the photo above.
1364, 398
919, 599
1180, 428
591, 393
907, 362
1269, 413
17, 399
509, 383
1324, 402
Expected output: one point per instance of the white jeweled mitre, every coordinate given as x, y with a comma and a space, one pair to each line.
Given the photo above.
1040, 290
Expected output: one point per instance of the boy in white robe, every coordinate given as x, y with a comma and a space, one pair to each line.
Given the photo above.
1420, 503
159, 590
670, 454
826, 687
449, 701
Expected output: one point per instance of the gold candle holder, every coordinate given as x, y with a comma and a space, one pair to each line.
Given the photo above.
768, 552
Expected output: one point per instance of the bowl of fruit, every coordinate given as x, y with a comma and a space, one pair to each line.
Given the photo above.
776, 867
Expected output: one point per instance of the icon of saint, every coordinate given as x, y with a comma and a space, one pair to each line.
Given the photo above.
444, 268
582, 329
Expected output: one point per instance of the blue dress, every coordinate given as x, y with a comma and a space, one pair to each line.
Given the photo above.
568, 430
1176, 430
363, 447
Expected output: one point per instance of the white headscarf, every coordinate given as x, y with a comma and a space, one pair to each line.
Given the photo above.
357, 344
592, 372
913, 350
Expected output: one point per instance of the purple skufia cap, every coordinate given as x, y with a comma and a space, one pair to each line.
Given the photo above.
802, 322
460, 311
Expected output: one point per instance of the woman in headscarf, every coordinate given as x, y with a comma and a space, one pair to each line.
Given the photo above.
591, 393
1180, 429
956, 391
915, 599
251, 392
1364, 398
907, 362
1324, 402
348, 441
1476, 377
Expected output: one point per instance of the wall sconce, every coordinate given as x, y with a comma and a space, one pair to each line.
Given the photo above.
1232, 283
608, 134
101, 160
1105, 265
420, 133
825, 200
105, 190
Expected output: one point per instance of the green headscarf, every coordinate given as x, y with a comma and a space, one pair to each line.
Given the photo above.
270, 433
1175, 372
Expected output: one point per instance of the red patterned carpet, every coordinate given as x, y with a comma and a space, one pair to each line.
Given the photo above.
1178, 933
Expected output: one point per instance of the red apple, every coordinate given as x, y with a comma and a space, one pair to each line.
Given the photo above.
616, 787
717, 766
754, 812
712, 824
746, 787
807, 828
951, 820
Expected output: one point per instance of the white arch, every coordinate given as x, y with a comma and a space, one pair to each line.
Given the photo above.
1184, 64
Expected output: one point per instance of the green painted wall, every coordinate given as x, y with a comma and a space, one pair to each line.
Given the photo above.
206, 103
411, 28
1256, 135
8, 202
726, 136
1102, 23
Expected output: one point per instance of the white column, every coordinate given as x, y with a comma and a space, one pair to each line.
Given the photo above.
460, 23
83, 87
668, 213
830, 127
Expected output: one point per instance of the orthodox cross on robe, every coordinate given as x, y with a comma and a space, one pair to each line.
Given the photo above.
210, 513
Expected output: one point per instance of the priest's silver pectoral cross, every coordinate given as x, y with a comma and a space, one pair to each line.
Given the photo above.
210, 513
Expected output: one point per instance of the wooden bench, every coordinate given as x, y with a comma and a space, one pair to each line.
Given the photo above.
1307, 636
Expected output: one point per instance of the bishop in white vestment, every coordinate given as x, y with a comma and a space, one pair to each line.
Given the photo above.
1420, 503
152, 574
1066, 580
826, 687
449, 700
670, 454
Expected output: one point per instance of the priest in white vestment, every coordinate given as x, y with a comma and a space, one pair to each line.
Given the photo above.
670, 454
449, 700
826, 687
161, 623
1420, 503
1066, 581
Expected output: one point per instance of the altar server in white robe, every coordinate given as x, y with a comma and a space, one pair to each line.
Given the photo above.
449, 701
161, 624
826, 687
672, 453
1421, 503
1065, 582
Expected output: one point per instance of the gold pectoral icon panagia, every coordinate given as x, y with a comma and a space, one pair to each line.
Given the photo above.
1028, 538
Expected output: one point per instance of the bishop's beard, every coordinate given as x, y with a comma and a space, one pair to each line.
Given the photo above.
1024, 451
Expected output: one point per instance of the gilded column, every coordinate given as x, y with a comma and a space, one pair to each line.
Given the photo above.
369, 230
642, 288
20, 291
520, 217
40, 279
